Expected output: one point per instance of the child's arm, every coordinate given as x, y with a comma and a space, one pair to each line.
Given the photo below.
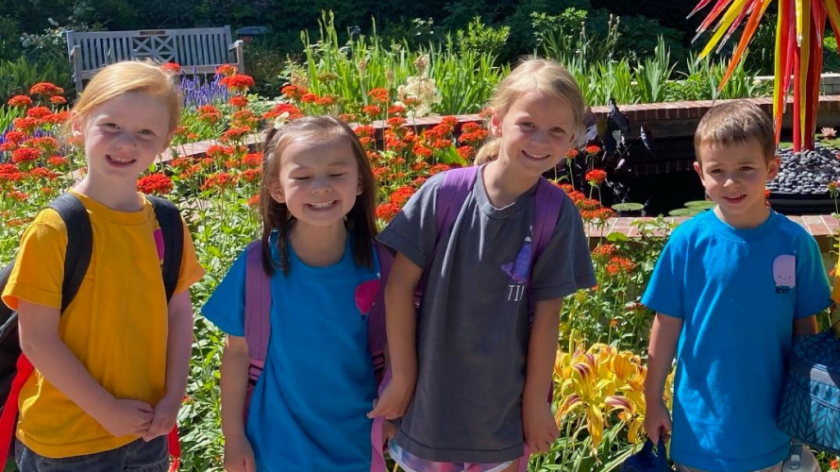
538, 422
401, 325
805, 326
661, 351
40, 342
239, 456
178, 351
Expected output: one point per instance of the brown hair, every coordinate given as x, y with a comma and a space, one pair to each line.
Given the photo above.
360, 222
534, 75
130, 76
735, 122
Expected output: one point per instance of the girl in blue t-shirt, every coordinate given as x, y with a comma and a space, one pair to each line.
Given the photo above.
307, 410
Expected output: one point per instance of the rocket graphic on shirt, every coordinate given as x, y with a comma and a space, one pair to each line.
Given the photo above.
518, 271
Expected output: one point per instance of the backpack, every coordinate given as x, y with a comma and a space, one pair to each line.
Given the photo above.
648, 461
810, 404
457, 185
15, 368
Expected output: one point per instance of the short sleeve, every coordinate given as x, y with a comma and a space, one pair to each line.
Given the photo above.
191, 270
38, 273
413, 231
565, 265
813, 293
226, 306
664, 293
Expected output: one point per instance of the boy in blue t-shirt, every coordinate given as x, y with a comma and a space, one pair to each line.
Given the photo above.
731, 289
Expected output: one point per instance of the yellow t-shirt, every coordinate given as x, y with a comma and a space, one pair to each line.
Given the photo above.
116, 325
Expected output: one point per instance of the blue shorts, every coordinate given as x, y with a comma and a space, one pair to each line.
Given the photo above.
137, 456
412, 463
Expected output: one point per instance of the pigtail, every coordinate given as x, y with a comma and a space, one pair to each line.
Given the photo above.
489, 151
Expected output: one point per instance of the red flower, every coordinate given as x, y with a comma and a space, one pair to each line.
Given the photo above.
308, 98
20, 101
467, 153
449, 123
19, 196
171, 67
25, 155
618, 265
158, 184
572, 153
251, 175
253, 160
8, 169
219, 181
8, 146
371, 110
422, 151
57, 161
325, 101
589, 204
293, 91
38, 112
238, 82
596, 177
396, 110
15, 136
236, 133
58, 118
834, 465
58, 100
281, 108
42, 173
226, 70
593, 149
25, 124
48, 144
401, 195
387, 211
209, 113
219, 152
379, 95
238, 101
254, 201
438, 168
45, 88
604, 250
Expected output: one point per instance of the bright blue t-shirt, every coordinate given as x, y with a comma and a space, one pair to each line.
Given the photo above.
308, 410
738, 293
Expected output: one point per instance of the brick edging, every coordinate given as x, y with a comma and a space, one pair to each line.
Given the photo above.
817, 225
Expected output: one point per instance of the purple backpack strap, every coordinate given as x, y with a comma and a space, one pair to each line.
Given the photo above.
376, 323
549, 201
457, 184
257, 309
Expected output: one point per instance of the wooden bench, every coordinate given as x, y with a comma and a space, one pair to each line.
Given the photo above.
196, 50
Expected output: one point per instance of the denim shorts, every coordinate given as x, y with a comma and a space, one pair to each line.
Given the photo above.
137, 456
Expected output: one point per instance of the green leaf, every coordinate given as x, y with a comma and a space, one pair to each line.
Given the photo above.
628, 207
616, 237
701, 205
683, 212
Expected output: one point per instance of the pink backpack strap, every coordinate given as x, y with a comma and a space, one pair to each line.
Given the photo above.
257, 309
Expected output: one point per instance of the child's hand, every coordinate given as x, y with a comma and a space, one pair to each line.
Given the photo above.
657, 421
239, 456
540, 428
126, 417
166, 412
388, 432
394, 400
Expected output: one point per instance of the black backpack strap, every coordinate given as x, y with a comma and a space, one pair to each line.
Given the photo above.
169, 220
79, 244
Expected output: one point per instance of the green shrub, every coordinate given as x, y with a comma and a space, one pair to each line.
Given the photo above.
17, 76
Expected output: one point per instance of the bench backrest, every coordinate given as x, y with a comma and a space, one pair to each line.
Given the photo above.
197, 50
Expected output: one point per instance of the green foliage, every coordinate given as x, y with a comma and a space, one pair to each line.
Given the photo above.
565, 38
17, 76
264, 59
9, 42
653, 73
482, 39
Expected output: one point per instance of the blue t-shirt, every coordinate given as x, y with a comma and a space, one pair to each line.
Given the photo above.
308, 410
738, 293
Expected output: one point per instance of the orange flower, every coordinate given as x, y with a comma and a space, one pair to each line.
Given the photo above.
239, 82
293, 91
572, 153
596, 177
45, 88
25, 155
387, 211
19, 101
371, 110
226, 70
238, 101
379, 95
219, 181
58, 100
592, 149
171, 68
158, 184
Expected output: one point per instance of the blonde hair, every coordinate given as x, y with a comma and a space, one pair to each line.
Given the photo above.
531, 75
735, 122
130, 76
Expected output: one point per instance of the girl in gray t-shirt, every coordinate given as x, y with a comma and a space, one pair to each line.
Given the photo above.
470, 373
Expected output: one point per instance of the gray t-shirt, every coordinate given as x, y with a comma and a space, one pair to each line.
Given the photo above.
473, 329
